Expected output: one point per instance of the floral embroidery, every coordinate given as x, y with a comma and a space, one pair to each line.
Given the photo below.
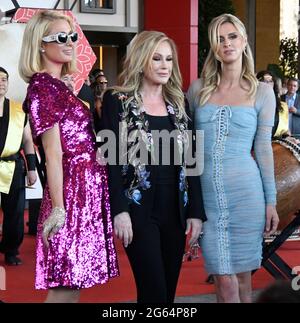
185, 198
170, 109
182, 181
124, 170
134, 196
138, 129
142, 176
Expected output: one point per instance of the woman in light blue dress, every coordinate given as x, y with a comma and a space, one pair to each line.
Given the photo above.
236, 113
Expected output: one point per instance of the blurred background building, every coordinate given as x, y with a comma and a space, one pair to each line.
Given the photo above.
109, 25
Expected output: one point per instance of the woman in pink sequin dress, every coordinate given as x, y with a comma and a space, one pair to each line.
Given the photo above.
75, 246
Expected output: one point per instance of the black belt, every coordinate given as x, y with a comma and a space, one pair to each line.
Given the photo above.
13, 157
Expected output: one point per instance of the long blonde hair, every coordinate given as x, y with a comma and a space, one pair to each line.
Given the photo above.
138, 59
38, 26
211, 73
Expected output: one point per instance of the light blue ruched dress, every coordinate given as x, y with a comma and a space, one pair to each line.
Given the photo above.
236, 187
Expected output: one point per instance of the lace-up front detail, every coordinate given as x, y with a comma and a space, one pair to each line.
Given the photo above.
235, 187
222, 117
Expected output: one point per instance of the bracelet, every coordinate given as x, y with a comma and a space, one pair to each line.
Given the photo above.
57, 210
30, 160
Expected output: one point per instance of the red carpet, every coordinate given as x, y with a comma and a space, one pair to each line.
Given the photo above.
20, 279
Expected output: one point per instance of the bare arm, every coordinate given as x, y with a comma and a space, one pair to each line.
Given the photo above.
53, 151
27, 140
29, 150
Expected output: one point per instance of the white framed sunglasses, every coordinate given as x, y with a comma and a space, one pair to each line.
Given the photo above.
61, 38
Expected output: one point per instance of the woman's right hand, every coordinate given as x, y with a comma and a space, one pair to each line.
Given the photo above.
123, 228
272, 220
53, 223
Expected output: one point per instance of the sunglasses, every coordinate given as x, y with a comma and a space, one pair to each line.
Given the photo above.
61, 38
103, 82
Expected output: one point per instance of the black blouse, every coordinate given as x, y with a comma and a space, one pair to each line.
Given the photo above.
165, 174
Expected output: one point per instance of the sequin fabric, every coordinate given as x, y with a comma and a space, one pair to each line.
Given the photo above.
82, 253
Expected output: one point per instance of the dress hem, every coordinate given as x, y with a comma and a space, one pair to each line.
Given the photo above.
76, 287
236, 270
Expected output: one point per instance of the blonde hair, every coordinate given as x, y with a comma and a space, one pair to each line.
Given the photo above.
138, 59
211, 73
31, 58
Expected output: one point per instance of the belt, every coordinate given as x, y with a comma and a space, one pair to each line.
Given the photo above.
13, 157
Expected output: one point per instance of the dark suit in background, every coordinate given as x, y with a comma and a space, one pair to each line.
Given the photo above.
294, 118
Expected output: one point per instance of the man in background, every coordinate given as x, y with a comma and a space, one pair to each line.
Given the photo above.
293, 101
15, 134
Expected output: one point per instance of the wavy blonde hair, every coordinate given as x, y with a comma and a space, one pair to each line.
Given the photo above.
211, 73
138, 59
38, 26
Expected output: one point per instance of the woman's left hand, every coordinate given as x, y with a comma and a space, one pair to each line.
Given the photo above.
31, 177
272, 220
195, 226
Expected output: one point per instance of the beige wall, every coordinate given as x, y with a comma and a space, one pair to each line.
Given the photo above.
267, 33
267, 29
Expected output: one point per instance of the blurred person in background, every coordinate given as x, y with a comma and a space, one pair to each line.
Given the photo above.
98, 93
15, 134
292, 98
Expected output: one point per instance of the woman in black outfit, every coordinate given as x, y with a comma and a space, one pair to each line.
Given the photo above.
154, 206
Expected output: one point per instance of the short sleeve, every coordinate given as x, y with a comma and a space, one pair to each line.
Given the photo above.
265, 105
43, 105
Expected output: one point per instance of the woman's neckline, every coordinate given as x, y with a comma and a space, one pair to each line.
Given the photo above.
55, 78
231, 106
152, 115
48, 74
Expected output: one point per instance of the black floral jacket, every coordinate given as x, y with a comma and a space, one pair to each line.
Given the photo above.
129, 181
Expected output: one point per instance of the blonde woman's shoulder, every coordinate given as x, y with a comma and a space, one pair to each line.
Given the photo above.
263, 88
194, 90
264, 95
196, 85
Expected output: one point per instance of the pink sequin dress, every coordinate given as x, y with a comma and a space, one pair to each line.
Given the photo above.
82, 253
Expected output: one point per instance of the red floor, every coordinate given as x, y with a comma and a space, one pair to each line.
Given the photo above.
20, 279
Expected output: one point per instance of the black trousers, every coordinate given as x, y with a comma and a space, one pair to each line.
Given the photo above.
13, 205
156, 252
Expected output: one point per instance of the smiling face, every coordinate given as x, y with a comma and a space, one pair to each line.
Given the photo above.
232, 44
55, 53
161, 65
